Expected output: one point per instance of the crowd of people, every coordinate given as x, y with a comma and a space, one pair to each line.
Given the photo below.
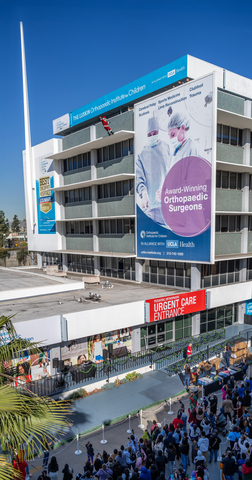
192, 439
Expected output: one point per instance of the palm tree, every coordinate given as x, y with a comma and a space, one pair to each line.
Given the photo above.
24, 417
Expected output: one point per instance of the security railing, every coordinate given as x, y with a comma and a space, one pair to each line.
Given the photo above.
169, 356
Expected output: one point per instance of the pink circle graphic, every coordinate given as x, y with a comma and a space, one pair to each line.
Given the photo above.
186, 196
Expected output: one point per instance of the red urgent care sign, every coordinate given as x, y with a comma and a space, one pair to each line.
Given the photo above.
176, 305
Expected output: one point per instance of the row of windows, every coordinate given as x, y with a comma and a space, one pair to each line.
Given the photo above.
164, 332
117, 267
82, 228
229, 135
76, 163
230, 180
228, 223
117, 226
218, 318
221, 273
117, 150
167, 273
78, 195
80, 263
116, 189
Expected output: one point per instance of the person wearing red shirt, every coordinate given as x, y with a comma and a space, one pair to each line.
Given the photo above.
105, 124
177, 421
189, 350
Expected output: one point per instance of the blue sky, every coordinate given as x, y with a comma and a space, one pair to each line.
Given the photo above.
77, 51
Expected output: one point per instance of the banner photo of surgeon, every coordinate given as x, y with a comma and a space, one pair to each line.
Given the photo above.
175, 144
120, 339
74, 353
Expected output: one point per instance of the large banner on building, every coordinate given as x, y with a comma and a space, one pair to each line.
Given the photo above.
45, 196
175, 144
175, 305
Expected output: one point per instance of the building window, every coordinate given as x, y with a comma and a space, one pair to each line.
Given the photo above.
116, 189
221, 273
78, 195
217, 318
159, 333
230, 180
228, 223
173, 274
79, 228
80, 263
118, 150
120, 226
51, 259
117, 267
77, 162
229, 135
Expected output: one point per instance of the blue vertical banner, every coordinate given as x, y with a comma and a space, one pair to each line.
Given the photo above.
45, 196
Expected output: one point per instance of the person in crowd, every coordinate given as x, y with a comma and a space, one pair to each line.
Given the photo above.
104, 472
184, 451
53, 469
68, 472
161, 461
187, 375
228, 407
171, 455
213, 403
44, 476
203, 444
214, 445
229, 466
178, 420
246, 401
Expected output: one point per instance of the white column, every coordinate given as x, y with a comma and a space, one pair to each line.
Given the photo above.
195, 324
64, 262
243, 270
39, 260
247, 108
28, 150
195, 277
246, 146
139, 270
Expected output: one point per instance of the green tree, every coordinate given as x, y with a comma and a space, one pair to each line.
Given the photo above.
4, 227
15, 226
24, 417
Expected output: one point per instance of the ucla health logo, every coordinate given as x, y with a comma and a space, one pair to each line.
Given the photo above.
172, 244
142, 234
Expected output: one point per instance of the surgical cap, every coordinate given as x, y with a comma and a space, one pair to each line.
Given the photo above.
153, 124
177, 120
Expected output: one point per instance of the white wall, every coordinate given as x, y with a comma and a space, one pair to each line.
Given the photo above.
45, 330
239, 292
90, 322
234, 83
38, 291
37, 241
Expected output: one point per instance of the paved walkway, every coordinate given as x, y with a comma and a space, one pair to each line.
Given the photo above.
102, 407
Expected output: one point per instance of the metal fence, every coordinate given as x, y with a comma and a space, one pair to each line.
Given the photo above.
163, 356
169, 357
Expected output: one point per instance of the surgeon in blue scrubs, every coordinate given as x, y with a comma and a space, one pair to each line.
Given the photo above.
151, 167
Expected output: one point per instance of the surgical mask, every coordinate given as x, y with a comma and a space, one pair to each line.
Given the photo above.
153, 140
175, 143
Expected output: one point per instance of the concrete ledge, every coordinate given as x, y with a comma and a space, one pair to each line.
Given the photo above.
39, 291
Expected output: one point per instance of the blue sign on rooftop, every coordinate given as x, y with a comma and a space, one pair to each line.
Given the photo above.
150, 83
